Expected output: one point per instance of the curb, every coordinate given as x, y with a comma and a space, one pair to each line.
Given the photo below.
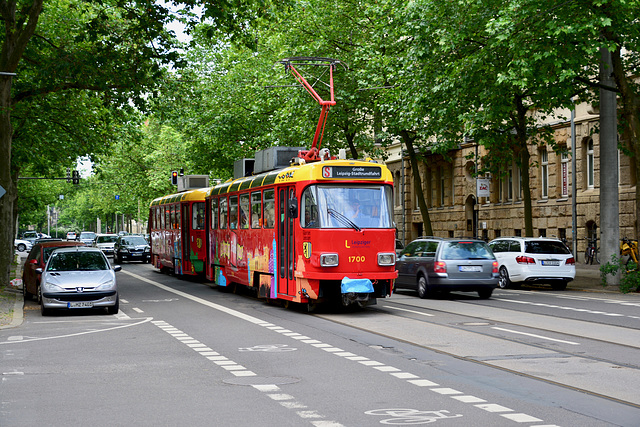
18, 312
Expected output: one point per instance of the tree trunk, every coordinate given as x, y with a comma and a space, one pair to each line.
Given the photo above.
522, 145
630, 119
424, 211
6, 202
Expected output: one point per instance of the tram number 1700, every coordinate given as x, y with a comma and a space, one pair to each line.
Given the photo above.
356, 259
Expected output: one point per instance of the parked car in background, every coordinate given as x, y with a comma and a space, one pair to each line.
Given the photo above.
37, 258
87, 237
31, 236
78, 277
533, 260
399, 247
431, 264
105, 242
131, 248
22, 245
71, 235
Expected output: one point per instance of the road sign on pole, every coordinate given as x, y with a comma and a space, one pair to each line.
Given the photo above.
2, 191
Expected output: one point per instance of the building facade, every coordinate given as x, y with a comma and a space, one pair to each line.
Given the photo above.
450, 189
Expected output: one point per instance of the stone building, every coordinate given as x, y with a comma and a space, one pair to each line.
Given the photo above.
449, 187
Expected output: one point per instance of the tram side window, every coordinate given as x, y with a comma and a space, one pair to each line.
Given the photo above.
178, 217
256, 209
173, 217
197, 213
214, 214
160, 218
223, 212
310, 209
269, 208
245, 207
167, 217
233, 212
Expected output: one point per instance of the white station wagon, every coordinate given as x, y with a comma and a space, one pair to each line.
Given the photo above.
533, 260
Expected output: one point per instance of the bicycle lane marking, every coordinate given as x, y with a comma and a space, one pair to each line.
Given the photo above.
413, 379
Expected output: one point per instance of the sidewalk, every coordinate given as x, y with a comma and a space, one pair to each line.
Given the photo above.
11, 302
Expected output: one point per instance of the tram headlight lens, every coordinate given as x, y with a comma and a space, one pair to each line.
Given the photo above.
386, 259
329, 260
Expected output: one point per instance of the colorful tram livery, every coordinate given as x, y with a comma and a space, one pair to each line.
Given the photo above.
177, 226
307, 233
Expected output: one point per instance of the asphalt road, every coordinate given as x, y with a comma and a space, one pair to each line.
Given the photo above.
184, 353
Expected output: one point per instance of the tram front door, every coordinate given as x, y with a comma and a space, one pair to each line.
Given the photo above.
286, 247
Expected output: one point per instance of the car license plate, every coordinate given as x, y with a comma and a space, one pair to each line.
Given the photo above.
470, 268
551, 263
80, 304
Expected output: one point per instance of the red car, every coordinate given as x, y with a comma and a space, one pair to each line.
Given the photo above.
37, 258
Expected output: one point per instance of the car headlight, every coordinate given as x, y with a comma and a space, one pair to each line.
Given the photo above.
329, 260
105, 286
52, 287
123, 250
387, 259
147, 249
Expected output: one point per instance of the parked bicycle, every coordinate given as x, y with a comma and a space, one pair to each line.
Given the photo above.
629, 248
592, 253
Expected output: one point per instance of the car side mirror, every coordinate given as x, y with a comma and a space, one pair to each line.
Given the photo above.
34, 262
39, 270
117, 268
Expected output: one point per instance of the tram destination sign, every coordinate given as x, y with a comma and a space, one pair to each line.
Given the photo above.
352, 172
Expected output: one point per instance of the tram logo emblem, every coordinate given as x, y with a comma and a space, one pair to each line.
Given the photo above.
306, 249
326, 172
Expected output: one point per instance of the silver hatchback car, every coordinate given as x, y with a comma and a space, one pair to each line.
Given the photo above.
78, 277
430, 264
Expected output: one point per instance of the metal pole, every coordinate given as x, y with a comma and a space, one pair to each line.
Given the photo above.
574, 189
402, 196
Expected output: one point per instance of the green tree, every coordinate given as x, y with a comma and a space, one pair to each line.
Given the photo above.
77, 66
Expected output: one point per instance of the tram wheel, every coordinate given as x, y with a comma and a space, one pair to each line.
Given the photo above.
312, 307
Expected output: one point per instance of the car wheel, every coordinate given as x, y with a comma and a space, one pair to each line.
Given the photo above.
485, 293
22, 247
43, 310
26, 295
503, 279
559, 286
114, 308
423, 287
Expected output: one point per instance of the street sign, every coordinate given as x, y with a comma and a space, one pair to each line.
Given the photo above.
2, 191
117, 197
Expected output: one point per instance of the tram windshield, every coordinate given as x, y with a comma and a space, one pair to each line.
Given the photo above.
357, 207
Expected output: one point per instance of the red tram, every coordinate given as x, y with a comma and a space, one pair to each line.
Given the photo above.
177, 231
320, 229
307, 233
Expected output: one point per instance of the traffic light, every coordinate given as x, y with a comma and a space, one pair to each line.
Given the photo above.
76, 177
68, 175
174, 177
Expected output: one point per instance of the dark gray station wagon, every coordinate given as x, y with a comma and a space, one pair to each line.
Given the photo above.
432, 264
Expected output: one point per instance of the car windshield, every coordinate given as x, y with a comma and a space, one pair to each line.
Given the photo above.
106, 239
77, 261
331, 206
466, 250
88, 236
134, 240
546, 247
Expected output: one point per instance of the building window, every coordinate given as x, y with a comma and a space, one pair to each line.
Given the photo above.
590, 164
442, 185
398, 189
564, 173
510, 184
453, 186
517, 232
544, 173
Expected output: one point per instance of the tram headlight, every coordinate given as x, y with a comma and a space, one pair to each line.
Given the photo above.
329, 260
386, 259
